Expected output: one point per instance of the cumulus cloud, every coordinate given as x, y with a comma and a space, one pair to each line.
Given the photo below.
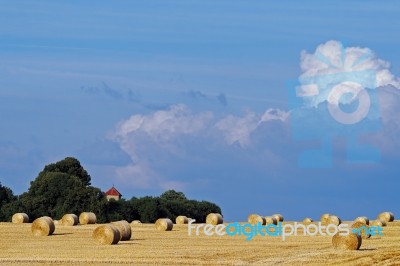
332, 63
238, 129
332, 57
162, 135
348, 69
164, 125
145, 137
164, 142
348, 93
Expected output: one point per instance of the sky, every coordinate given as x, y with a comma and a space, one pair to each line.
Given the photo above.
234, 102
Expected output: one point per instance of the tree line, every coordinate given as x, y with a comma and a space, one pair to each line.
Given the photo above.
65, 187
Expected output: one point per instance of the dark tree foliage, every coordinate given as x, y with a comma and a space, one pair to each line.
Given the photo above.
7, 211
173, 195
70, 166
64, 187
6, 197
151, 208
57, 190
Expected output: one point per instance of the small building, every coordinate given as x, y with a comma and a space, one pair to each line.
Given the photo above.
113, 193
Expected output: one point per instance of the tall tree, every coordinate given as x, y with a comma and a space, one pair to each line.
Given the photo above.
62, 188
173, 195
6, 197
70, 166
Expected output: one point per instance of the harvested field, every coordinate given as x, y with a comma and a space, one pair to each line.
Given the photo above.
75, 245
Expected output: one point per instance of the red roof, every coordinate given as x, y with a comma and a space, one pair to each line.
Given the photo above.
113, 192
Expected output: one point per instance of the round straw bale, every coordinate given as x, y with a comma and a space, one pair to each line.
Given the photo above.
124, 229
20, 218
135, 222
43, 226
107, 234
278, 217
377, 222
181, 219
164, 224
333, 219
362, 219
270, 220
214, 218
308, 220
87, 218
56, 222
255, 219
386, 216
325, 218
351, 241
364, 232
69, 219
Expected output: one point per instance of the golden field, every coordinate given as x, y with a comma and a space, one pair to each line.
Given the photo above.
75, 245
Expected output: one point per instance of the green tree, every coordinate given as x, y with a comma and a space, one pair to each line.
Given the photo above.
62, 188
173, 195
128, 210
94, 200
114, 210
10, 208
6, 197
70, 166
200, 209
171, 204
150, 209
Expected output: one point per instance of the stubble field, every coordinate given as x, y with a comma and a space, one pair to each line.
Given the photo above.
74, 245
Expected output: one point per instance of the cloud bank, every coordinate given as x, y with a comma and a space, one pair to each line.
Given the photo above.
183, 149
169, 133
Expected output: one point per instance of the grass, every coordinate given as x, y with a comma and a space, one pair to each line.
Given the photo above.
75, 245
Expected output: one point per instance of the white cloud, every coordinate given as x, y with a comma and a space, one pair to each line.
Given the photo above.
163, 140
161, 127
166, 124
153, 140
143, 137
331, 64
350, 70
238, 129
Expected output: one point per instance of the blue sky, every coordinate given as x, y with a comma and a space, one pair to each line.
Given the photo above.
193, 95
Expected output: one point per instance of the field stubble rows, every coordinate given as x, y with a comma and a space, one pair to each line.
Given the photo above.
75, 245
